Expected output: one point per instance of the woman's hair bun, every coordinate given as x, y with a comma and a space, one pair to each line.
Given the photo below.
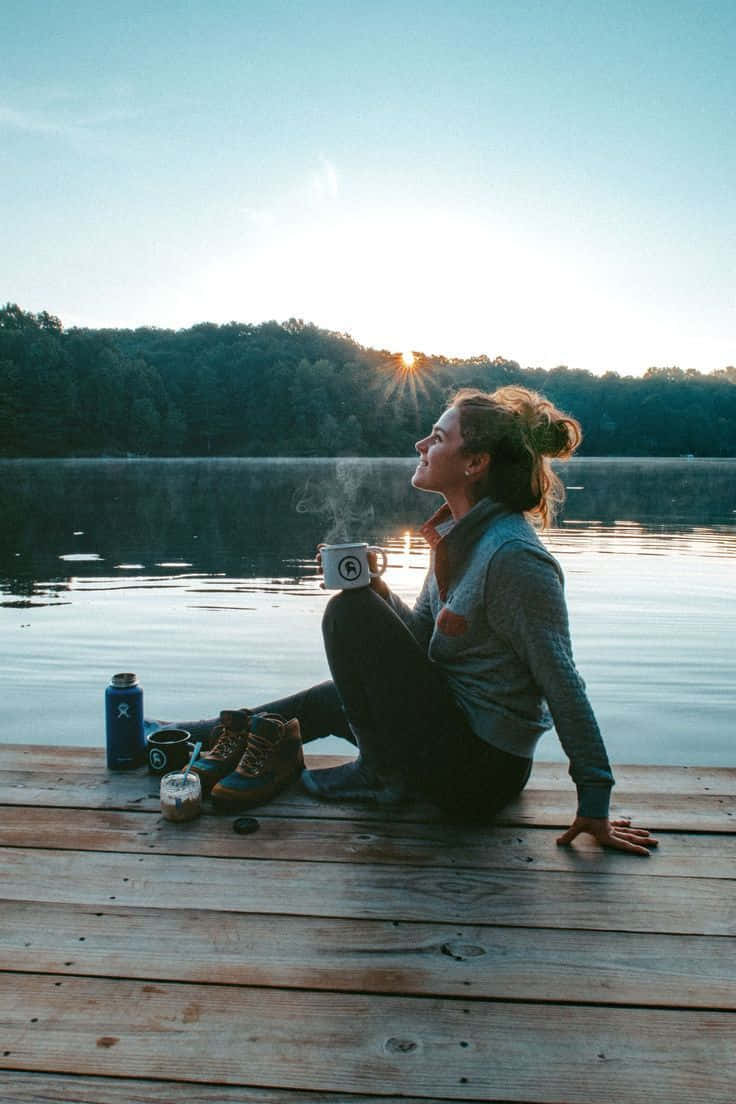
554, 434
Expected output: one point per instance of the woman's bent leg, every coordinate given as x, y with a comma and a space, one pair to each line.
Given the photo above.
391, 692
403, 714
318, 710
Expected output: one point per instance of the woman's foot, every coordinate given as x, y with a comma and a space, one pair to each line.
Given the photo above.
354, 781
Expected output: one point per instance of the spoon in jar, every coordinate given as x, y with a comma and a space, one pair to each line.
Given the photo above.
195, 753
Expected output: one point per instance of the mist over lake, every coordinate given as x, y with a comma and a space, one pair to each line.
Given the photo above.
199, 575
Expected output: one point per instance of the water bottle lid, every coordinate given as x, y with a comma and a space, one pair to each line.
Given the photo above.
125, 679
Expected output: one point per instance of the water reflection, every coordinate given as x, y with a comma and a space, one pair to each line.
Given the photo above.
200, 576
254, 524
642, 540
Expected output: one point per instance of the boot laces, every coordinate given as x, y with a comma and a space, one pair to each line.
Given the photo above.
260, 745
227, 742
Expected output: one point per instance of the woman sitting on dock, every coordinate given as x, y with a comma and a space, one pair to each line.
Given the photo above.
448, 699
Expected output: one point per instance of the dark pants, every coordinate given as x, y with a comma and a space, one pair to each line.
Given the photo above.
401, 711
387, 696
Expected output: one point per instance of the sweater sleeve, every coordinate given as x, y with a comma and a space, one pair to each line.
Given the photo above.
525, 602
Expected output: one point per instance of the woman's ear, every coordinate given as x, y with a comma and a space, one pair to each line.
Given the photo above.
477, 464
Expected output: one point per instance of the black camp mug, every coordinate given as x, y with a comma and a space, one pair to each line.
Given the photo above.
169, 749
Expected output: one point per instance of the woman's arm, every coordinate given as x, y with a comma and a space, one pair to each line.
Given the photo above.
526, 604
526, 601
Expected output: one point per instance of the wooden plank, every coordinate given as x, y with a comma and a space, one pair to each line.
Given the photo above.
658, 812
543, 808
443, 845
630, 778
616, 902
346, 1042
45, 758
371, 956
633, 778
55, 1088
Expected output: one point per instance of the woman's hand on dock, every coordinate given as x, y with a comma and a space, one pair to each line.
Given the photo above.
611, 833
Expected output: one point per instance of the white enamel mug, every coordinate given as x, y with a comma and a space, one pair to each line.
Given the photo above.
345, 566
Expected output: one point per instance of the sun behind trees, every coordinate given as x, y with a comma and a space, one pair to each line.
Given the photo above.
292, 389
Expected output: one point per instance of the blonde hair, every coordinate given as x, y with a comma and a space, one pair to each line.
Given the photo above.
521, 430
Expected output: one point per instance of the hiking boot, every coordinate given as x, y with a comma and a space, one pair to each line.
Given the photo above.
273, 758
228, 741
355, 781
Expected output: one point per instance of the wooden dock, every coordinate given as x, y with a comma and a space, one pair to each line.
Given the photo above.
347, 955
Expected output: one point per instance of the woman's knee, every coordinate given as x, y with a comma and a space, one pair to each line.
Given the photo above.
347, 607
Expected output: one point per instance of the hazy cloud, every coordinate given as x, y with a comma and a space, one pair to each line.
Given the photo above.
30, 122
315, 189
76, 127
324, 183
259, 217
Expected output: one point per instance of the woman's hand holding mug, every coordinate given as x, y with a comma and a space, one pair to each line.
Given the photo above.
349, 566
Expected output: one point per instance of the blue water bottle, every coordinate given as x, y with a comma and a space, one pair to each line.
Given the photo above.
126, 741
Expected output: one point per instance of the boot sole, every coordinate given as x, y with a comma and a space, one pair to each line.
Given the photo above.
208, 782
234, 803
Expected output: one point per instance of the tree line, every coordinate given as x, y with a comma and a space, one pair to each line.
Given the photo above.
293, 389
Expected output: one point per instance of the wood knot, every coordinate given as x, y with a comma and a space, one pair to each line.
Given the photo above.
400, 1046
461, 951
107, 1041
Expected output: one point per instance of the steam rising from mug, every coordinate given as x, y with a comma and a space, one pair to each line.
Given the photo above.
337, 498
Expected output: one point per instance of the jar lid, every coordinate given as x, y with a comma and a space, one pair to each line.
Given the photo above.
174, 781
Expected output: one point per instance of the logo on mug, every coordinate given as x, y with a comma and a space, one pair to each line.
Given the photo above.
157, 758
349, 568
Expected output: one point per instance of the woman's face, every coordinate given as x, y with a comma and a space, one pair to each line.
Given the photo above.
441, 464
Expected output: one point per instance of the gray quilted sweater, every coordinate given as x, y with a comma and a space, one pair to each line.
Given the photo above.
493, 617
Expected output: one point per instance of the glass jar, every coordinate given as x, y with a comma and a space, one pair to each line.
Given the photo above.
181, 798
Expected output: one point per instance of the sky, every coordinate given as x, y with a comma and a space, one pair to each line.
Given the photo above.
552, 181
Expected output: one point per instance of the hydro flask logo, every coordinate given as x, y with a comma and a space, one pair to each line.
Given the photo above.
124, 711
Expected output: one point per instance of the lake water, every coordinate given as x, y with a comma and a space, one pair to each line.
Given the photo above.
199, 575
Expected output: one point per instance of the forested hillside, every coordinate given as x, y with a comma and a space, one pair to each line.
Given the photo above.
293, 389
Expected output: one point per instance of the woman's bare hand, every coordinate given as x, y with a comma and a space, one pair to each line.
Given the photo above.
611, 833
377, 582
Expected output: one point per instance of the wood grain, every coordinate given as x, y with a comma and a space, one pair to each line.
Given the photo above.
138, 790
454, 1049
59, 1088
630, 778
613, 902
373, 956
417, 844
346, 953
